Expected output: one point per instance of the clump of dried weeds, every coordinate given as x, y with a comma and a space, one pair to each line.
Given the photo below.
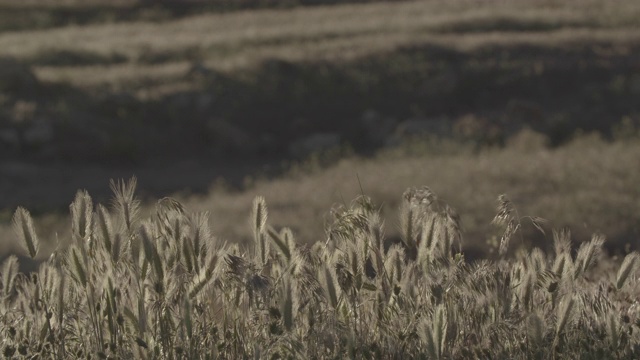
164, 287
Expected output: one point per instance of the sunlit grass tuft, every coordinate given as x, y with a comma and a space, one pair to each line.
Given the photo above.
173, 290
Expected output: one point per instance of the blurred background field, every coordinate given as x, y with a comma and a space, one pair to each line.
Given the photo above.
312, 103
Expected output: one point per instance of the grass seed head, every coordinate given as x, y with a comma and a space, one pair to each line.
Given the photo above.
81, 216
629, 265
126, 205
562, 241
259, 222
104, 227
9, 272
23, 227
588, 254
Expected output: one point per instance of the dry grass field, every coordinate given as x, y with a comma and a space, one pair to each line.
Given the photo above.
510, 232
159, 284
588, 186
139, 53
252, 82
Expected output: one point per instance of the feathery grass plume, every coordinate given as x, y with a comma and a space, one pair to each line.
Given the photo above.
376, 254
497, 309
134, 252
413, 212
629, 265
506, 211
441, 245
190, 260
288, 302
347, 270
48, 278
565, 312
78, 267
116, 248
395, 263
170, 223
588, 253
9, 272
386, 275
212, 263
299, 269
562, 264
150, 251
433, 332
408, 233
547, 280
440, 328
81, 216
613, 329
510, 230
427, 241
60, 305
287, 235
408, 218
168, 204
328, 281
562, 241
526, 288
349, 223
281, 244
454, 226
562, 271
210, 272
410, 283
23, 227
361, 251
259, 215
538, 260
376, 230
206, 276
111, 309
177, 231
429, 225
201, 233
105, 227
125, 203
538, 222
507, 216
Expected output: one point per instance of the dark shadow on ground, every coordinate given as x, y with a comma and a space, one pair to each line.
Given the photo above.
21, 17
556, 91
237, 122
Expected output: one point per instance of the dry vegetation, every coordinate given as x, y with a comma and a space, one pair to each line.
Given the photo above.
253, 82
589, 185
164, 287
161, 52
305, 271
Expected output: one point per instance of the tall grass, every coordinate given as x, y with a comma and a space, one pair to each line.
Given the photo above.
164, 287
